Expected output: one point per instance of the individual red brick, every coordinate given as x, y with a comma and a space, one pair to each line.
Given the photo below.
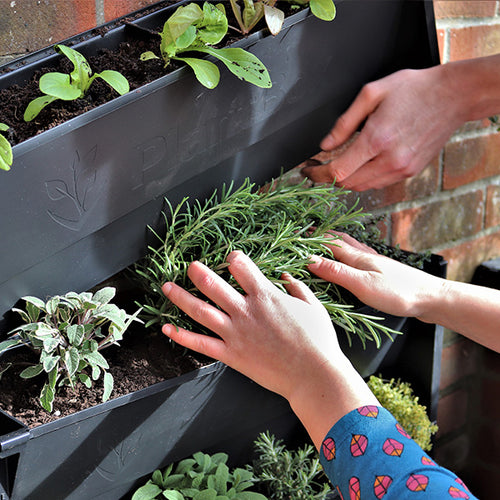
113, 9
444, 9
474, 41
458, 360
470, 160
438, 223
463, 259
30, 25
452, 411
492, 206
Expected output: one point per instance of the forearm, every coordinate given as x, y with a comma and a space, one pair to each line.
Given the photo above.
470, 310
475, 85
326, 394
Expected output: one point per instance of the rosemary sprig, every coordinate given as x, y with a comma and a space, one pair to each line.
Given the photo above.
279, 229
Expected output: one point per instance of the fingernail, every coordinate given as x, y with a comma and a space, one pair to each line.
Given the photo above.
327, 143
314, 260
166, 288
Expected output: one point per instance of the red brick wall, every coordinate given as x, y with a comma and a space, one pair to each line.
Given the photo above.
451, 208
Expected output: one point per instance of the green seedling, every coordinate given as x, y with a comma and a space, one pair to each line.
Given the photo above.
202, 477
193, 29
5, 149
74, 85
68, 332
249, 12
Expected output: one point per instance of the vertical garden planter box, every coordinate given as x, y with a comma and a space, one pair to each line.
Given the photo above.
80, 196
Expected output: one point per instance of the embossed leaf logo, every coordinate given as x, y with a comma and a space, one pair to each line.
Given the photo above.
76, 191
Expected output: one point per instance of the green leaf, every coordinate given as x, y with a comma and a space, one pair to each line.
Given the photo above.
186, 39
115, 80
40, 304
52, 304
243, 64
183, 18
221, 478
50, 343
5, 153
323, 9
36, 105
47, 397
96, 358
31, 371
250, 495
208, 494
148, 55
173, 495
85, 380
72, 360
4, 127
104, 295
59, 85
214, 25
108, 386
81, 74
49, 362
7, 344
207, 73
76, 334
147, 492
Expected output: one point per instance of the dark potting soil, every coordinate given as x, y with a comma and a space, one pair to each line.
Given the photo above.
125, 59
142, 359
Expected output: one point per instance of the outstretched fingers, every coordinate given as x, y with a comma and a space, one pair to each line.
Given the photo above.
209, 346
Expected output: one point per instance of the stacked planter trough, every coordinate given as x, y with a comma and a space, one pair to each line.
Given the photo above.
80, 196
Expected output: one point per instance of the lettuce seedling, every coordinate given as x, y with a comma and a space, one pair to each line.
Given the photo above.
252, 11
5, 149
193, 29
67, 332
75, 85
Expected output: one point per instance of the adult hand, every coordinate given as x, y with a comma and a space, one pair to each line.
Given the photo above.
378, 281
273, 338
409, 117
285, 343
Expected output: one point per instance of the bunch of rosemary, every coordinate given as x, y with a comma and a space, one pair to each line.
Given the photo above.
279, 229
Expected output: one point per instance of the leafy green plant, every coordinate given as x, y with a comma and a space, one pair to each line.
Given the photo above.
202, 477
68, 332
249, 12
193, 29
5, 149
285, 474
398, 398
75, 85
279, 229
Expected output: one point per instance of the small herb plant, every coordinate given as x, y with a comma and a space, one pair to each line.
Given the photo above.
283, 474
398, 398
5, 149
68, 332
195, 29
278, 228
75, 85
202, 477
249, 12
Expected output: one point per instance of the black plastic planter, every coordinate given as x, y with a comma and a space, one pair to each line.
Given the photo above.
79, 196
104, 451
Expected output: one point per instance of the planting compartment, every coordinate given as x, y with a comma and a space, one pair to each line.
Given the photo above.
79, 198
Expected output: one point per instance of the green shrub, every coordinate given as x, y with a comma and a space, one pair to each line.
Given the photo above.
398, 398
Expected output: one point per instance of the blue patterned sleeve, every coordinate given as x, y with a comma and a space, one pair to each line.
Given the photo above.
368, 455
